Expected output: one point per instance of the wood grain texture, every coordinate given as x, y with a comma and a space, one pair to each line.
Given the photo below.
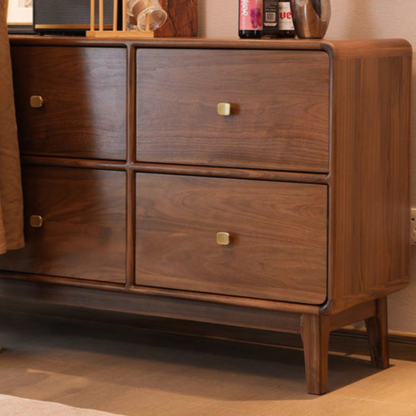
279, 118
182, 21
84, 93
278, 236
370, 172
84, 225
315, 338
377, 329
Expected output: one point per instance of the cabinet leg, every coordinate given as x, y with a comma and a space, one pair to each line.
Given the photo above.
378, 335
315, 337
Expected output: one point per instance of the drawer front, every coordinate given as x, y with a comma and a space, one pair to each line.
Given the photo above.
82, 233
83, 113
279, 108
277, 231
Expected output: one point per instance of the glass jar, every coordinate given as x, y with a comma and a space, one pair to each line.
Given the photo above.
147, 14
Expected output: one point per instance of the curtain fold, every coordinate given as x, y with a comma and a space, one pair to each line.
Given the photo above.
11, 203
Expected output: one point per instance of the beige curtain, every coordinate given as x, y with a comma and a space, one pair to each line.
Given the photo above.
11, 205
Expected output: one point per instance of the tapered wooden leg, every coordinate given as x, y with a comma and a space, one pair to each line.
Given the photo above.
378, 336
315, 337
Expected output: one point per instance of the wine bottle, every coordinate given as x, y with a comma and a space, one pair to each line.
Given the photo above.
286, 27
250, 19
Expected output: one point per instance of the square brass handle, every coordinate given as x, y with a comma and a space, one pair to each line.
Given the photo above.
224, 109
223, 239
36, 221
36, 101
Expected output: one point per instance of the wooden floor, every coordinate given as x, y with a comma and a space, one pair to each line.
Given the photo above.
138, 372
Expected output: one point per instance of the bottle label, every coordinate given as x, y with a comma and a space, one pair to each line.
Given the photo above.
270, 13
285, 17
251, 14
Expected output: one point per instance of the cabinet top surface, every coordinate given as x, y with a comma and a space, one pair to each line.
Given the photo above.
339, 48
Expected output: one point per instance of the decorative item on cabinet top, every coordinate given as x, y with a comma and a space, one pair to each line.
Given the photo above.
139, 19
311, 17
73, 17
19, 16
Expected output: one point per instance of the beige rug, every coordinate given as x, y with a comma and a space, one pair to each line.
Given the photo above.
15, 406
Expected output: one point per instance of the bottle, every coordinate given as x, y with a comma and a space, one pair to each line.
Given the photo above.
250, 19
271, 18
286, 27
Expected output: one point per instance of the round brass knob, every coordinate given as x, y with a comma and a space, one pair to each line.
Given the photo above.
223, 239
36, 221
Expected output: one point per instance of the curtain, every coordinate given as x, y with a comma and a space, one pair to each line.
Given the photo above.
11, 204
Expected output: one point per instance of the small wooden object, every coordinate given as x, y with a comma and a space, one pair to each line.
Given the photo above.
114, 33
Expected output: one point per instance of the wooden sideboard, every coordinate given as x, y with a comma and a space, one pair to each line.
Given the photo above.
141, 195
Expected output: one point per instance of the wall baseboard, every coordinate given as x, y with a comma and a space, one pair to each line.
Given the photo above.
402, 346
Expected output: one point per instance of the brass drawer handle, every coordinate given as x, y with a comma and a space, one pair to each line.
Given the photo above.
36, 221
224, 109
223, 239
36, 101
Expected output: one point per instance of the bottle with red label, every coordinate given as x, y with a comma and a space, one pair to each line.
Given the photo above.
286, 27
250, 19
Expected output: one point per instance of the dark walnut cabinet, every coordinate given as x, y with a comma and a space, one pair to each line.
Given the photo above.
257, 184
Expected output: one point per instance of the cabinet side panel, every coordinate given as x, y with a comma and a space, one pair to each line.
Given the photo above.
370, 177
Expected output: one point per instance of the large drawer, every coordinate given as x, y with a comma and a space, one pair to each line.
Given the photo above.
279, 108
83, 114
75, 225
277, 231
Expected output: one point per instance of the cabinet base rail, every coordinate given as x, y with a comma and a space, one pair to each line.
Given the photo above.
314, 329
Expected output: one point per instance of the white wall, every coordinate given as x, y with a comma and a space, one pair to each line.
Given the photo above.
350, 19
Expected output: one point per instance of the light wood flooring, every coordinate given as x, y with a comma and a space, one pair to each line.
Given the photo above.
138, 372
